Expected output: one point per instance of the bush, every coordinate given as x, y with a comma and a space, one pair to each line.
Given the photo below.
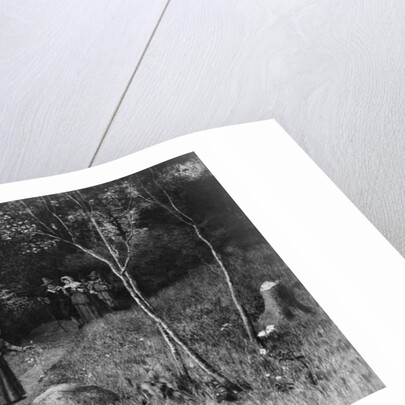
19, 315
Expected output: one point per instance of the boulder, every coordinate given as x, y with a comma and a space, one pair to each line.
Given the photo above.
76, 394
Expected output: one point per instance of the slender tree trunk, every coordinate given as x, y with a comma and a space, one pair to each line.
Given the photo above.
175, 353
173, 349
136, 294
130, 285
120, 270
242, 312
174, 210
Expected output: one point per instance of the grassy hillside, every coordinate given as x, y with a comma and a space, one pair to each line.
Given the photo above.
125, 353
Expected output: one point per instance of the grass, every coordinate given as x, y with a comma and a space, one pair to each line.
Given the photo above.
125, 353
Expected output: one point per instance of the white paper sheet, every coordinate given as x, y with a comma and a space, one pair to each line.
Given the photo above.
356, 276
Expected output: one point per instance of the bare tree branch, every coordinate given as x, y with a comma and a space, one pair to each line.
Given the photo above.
190, 222
153, 200
84, 203
162, 324
106, 244
57, 217
182, 214
36, 218
111, 258
77, 245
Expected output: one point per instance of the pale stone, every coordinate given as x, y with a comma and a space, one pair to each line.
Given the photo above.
75, 394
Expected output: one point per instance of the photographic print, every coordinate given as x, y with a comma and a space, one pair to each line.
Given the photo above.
157, 289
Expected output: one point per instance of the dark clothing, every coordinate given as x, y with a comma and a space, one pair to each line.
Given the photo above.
11, 390
60, 305
102, 289
83, 304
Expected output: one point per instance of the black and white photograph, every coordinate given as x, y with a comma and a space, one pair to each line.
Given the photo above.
157, 289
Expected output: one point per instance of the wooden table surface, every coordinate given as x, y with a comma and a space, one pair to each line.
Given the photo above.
84, 82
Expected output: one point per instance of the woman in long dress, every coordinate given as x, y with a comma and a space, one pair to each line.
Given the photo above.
11, 390
80, 299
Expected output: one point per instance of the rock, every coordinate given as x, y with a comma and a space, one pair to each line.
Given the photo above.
76, 394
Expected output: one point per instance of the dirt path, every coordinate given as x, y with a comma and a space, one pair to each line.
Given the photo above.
51, 341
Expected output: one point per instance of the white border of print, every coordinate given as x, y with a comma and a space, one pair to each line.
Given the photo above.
345, 263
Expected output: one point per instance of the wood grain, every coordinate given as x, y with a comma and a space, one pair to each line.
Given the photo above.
330, 72
63, 68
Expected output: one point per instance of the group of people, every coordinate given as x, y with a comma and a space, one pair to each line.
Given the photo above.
81, 301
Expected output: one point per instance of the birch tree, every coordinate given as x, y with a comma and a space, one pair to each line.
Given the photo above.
103, 225
155, 193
